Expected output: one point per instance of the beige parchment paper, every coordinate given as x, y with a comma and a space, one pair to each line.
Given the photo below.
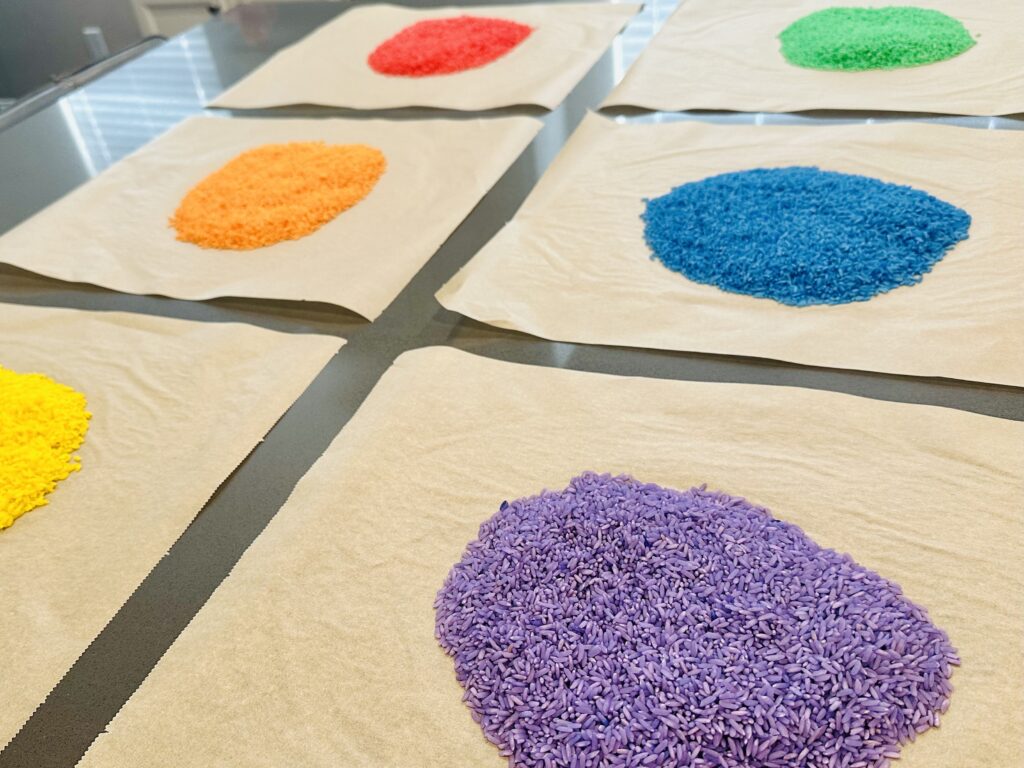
573, 264
328, 67
176, 406
113, 231
724, 54
318, 650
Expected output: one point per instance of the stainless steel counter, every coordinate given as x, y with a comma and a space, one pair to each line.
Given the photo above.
62, 146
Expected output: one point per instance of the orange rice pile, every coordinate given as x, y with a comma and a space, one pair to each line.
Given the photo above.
277, 192
42, 424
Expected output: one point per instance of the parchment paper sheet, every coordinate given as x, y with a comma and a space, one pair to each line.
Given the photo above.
176, 406
573, 264
113, 231
724, 54
319, 651
329, 67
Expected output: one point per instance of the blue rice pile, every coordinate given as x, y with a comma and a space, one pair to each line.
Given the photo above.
800, 235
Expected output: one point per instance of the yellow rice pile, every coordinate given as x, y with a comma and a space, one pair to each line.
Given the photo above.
42, 424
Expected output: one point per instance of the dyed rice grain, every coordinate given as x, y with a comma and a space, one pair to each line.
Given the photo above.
619, 624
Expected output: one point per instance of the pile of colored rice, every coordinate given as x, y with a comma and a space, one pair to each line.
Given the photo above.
446, 46
42, 424
802, 236
857, 39
277, 192
617, 623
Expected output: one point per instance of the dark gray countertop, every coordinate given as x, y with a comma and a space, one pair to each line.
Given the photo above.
60, 147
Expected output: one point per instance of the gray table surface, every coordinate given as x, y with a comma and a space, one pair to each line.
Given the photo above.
55, 150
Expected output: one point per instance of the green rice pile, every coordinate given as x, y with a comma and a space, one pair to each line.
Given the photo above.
858, 39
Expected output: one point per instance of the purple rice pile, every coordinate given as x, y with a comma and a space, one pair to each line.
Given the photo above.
621, 624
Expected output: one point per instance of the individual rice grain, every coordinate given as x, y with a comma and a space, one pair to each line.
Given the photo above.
618, 623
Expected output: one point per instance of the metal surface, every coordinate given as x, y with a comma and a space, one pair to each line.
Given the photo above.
58, 148
22, 109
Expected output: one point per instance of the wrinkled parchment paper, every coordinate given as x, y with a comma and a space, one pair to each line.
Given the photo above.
319, 650
113, 231
573, 265
724, 54
176, 406
328, 67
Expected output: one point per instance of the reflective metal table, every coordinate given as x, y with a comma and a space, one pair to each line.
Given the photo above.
60, 147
